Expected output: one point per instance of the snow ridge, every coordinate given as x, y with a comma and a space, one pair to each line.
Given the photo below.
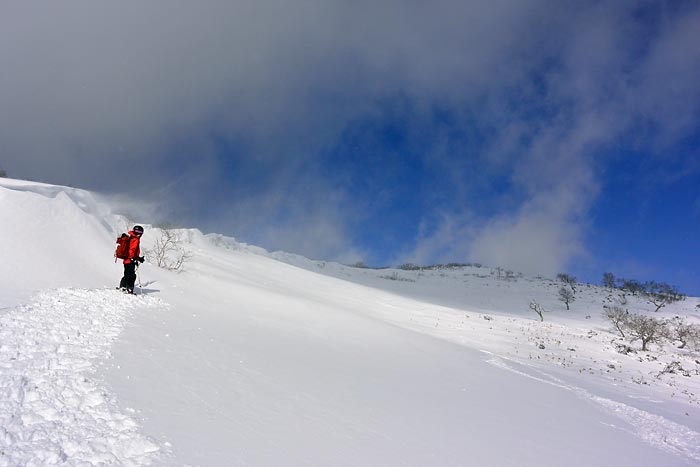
52, 409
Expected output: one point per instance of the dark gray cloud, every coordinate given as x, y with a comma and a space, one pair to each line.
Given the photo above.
85, 83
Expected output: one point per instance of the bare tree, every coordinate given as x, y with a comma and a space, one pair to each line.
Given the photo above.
659, 301
167, 250
609, 280
566, 296
537, 308
645, 329
618, 317
569, 280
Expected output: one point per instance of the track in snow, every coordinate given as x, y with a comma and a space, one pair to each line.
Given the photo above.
53, 411
653, 429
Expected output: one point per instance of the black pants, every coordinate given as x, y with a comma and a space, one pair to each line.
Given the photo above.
129, 278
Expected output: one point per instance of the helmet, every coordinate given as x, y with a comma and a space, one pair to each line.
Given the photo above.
138, 230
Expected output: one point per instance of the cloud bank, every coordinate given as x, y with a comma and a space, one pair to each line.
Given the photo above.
227, 114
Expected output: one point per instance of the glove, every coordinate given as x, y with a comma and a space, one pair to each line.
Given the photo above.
140, 259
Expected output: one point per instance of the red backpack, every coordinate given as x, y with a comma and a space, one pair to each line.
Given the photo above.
122, 251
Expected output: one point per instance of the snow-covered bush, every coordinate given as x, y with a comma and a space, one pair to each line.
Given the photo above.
646, 329
618, 317
685, 333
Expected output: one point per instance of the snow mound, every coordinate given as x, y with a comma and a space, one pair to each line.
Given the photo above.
52, 408
55, 237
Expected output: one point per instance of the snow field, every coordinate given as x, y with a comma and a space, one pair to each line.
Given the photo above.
256, 362
471, 307
53, 410
299, 357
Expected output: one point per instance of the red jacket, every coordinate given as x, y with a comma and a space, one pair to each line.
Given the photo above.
134, 247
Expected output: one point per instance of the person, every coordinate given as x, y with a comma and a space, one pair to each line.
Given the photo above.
134, 258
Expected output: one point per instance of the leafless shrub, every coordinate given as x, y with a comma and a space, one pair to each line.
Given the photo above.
167, 251
624, 349
673, 368
394, 276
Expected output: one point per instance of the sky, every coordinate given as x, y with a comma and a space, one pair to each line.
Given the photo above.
541, 136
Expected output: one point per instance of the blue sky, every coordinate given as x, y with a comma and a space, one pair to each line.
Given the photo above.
543, 136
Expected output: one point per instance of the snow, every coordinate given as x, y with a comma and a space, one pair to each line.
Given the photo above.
266, 359
53, 409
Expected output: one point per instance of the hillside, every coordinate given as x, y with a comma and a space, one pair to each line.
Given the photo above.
267, 359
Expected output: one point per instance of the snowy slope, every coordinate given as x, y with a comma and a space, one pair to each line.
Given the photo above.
243, 359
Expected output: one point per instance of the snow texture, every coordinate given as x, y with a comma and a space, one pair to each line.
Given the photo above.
53, 410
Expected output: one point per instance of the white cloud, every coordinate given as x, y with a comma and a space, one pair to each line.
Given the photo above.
538, 242
442, 240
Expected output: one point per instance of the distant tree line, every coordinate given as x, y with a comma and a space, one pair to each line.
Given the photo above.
432, 267
362, 265
418, 267
658, 294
